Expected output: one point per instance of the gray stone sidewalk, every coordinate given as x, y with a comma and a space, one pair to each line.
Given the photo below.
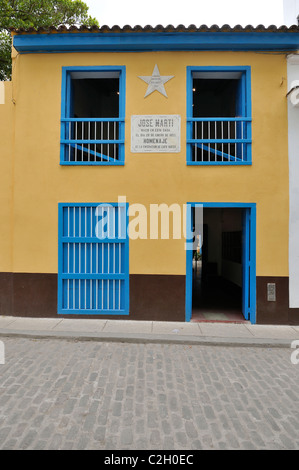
238, 334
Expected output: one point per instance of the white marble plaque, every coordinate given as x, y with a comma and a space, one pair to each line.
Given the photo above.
156, 133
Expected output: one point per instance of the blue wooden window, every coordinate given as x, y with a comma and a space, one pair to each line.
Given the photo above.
93, 261
93, 116
218, 115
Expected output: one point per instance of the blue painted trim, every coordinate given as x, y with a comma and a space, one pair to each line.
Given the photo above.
245, 263
189, 221
248, 112
244, 105
63, 239
221, 119
64, 100
92, 152
100, 312
253, 264
94, 276
215, 141
67, 116
251, 207
60, 257
153, 41
91, 204
69, 119
227, 157
240, 205
116, 163
218, 68
86, 141
90, 239
224, 163
189, 112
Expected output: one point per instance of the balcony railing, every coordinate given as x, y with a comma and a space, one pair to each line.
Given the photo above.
92, 141
216, 141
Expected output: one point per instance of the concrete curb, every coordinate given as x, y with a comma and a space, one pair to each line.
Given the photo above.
149, 338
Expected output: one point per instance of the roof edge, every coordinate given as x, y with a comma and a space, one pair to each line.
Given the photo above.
158, 28
159, 38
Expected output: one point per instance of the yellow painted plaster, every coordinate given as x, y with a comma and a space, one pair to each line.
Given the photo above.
39, 182
6, 162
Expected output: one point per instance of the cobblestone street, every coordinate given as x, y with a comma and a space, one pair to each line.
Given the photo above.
58, 394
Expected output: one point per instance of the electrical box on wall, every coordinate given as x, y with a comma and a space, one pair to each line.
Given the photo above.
271, 292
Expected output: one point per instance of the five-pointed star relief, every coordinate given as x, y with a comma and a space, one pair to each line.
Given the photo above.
156, 82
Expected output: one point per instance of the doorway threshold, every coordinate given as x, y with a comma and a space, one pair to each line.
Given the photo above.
217, 316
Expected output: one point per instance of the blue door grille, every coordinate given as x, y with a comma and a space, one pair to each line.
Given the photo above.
93, 274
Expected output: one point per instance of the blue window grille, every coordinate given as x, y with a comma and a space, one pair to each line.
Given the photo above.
93, 116
93, 259
219, 115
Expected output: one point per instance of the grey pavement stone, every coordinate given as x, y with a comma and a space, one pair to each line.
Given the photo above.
59, 394
126, 437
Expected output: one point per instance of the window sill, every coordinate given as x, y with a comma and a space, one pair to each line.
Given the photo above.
92, 163
219, 163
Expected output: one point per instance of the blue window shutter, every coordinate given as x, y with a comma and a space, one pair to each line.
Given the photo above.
93, 271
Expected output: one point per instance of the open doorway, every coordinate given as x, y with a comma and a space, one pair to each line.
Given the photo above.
220, 281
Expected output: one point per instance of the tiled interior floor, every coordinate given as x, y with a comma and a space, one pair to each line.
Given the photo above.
212, 315
216, 299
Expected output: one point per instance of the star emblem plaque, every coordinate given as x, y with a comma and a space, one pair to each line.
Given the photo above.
156, 82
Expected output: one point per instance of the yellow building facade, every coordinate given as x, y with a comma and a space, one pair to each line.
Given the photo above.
242, 194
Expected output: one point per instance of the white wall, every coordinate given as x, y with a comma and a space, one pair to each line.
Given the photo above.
293, 124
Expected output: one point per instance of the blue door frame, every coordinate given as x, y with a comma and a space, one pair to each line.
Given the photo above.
248, 262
